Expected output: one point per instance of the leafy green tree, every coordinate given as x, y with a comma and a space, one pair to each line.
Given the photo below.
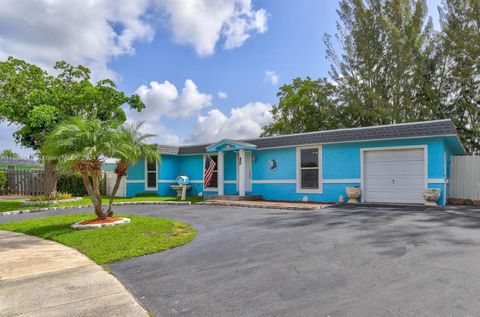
7, 153
383, 69
130, 148
78, 144
304, 105
459, 70
37, 102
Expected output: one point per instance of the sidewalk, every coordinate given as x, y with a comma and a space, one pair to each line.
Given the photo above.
43, 278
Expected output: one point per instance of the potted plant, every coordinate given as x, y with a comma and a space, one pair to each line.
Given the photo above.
353, 193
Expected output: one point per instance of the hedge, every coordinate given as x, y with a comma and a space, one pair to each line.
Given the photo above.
3, 182
73, 184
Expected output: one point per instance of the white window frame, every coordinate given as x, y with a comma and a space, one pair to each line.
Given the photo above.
301, 190
146, 177
209, 189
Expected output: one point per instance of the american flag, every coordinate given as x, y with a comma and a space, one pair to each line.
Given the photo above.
209, 168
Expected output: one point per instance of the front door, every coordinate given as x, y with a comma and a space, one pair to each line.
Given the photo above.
248, 170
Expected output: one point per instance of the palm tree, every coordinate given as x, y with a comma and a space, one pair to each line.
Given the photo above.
79, 144
131, 147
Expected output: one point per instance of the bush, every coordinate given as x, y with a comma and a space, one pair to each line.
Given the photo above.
73, 184
57, 196
147, 194
3, 183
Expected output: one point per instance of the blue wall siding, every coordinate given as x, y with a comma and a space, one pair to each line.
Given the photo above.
169, 167
339, 161
192, 166
286, 164
137, 171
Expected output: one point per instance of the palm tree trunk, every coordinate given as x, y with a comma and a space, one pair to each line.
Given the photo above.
50, 177
98, 196
90, 191
112, 195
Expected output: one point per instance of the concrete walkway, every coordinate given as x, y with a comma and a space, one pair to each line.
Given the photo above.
43, 278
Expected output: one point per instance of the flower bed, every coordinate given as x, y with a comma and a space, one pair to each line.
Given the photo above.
48, 202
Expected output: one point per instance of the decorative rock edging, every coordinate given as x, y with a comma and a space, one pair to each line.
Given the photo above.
47, 202
80, 226
27, 211
287, 207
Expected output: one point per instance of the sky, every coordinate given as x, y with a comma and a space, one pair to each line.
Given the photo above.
205, 69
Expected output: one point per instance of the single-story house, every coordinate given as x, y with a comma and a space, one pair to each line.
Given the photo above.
391, 163
19, 164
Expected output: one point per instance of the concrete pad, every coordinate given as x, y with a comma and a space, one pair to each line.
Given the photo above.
44, 278
22, 255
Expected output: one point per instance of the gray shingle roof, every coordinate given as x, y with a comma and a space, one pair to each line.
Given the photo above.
395, 131
19, 162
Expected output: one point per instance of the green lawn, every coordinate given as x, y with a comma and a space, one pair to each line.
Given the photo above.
144, 235
9, 205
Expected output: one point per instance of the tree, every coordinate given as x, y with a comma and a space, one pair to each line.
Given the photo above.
7, 153
384, 72
78, 144
460, 74
37, 102
304, 105
131, 147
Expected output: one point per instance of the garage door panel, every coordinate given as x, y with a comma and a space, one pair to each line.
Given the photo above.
394, 175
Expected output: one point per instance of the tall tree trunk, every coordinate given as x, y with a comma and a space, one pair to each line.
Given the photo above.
91, 193
120, 170
50, 185
112, 195
96, 193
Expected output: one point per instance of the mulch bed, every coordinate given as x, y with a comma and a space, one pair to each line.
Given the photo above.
99, 221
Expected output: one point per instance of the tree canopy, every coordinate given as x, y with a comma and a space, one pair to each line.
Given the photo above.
388, 65
8, 153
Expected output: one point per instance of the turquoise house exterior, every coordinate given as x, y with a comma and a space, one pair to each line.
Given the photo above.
392, 163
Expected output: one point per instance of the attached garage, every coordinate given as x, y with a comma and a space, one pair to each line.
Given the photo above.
394, 175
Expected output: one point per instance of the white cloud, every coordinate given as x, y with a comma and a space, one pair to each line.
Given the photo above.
202, 23
163, 134
222, 94
81, 32
272, 76
163, 99
244, 122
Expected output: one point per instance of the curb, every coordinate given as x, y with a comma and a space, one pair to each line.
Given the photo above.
28, 211
263, 206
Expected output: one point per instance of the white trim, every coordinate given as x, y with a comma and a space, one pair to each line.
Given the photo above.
146, 177
445, 175
351, 141
198, 181
241, 172
342, 181
167, 181
230, 182
401, 147
436, 181
135, 181
274, 181
220, 173
298, 170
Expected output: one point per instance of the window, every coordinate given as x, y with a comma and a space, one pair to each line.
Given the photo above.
214, 179
152, 174
309, 170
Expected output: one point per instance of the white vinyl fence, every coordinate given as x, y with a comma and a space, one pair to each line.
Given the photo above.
465, 177
110, 179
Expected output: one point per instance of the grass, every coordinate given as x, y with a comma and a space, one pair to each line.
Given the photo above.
144, 235
9, 205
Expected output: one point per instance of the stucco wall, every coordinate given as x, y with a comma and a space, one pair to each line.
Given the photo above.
340, 161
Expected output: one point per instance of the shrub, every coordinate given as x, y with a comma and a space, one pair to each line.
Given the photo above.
3, 182
73, 184
147, 194
57, 196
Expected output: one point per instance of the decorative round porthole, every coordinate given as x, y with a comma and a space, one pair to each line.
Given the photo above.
273, 164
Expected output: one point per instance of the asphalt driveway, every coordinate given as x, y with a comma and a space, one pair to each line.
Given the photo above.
333, 262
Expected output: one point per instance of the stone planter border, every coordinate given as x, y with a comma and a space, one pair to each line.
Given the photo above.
27, 211
47, 202
79, 226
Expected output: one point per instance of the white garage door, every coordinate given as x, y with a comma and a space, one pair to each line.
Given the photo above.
395, 176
